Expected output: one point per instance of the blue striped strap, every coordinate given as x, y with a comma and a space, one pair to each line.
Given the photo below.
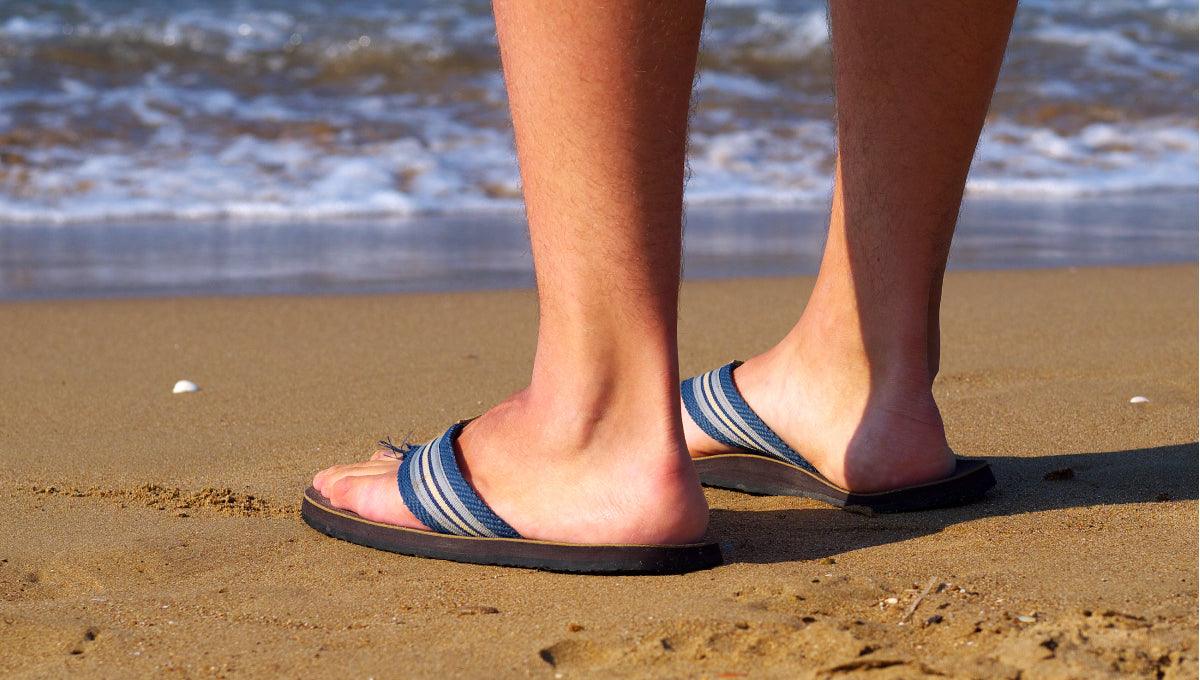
433, 488
715, 404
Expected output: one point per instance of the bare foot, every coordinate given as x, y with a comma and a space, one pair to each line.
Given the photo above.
553, 475
861, 436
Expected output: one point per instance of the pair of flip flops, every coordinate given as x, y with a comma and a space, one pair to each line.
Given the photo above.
464, 529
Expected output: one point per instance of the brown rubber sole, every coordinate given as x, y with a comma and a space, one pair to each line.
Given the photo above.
760, 475
507, 552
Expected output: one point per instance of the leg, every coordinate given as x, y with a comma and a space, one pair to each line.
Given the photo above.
850, 386
592, 451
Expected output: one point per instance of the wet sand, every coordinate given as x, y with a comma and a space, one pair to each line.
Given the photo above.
147, 533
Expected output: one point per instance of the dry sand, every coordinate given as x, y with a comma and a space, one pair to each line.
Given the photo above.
147, 533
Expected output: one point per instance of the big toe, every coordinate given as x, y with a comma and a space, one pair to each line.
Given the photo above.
375, 497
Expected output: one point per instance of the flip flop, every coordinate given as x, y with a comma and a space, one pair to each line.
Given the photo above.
465, 529
765, 465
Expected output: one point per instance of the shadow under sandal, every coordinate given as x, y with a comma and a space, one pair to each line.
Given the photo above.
465, 529
766, 465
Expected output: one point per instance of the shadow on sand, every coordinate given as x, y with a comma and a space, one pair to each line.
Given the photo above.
1113, 478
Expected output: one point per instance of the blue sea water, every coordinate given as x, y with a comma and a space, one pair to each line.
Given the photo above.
490, 250
192, 146
274, 110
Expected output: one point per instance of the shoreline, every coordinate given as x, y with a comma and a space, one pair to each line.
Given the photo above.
769, 280
154, 532
491, 251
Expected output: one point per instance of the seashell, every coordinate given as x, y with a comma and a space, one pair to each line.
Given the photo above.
1139, 400
185, 386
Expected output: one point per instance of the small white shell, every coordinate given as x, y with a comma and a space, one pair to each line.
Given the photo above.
1024, 618
185, 386
1139, 400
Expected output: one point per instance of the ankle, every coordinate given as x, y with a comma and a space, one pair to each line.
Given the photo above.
585, 412
878, 355
613, 474
849, 366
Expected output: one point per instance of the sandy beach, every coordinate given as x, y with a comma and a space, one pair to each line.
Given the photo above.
150, 534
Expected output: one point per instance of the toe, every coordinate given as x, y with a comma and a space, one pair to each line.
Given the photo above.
325, 477
321, 478
374, 497
329, 476
336, 491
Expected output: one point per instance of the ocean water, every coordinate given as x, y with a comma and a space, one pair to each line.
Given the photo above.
283, 111
475, 250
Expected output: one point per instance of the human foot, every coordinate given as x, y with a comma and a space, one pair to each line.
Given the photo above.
861, 436
552, 475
